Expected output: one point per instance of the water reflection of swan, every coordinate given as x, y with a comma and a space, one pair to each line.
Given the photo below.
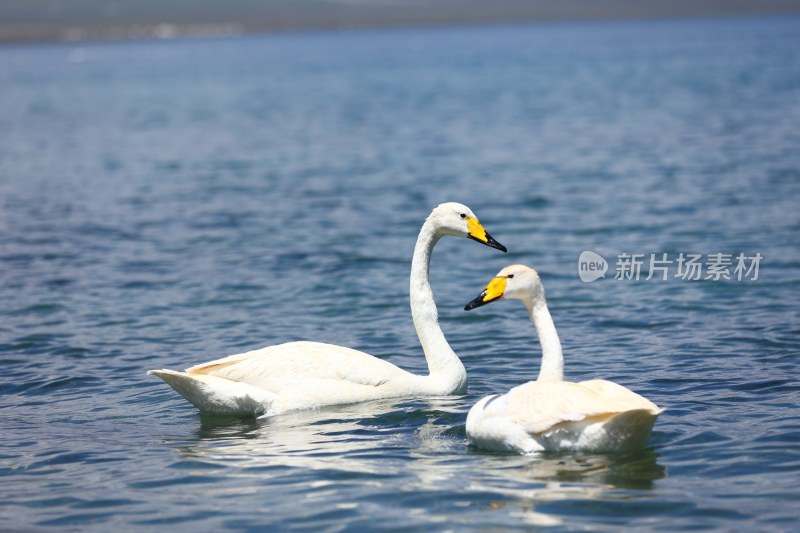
305, 375
310, 439
352, 438
405, 450
550, 413
522, 485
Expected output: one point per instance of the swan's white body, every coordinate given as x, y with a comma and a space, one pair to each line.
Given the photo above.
306, 375
551, 414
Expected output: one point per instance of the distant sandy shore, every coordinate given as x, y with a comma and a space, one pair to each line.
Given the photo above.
40, 20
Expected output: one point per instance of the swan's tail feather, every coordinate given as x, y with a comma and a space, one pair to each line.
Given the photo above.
216, 395
206, 368
610, 432
631, 429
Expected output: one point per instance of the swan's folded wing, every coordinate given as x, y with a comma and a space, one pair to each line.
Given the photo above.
609, 391
541, 407
276, 367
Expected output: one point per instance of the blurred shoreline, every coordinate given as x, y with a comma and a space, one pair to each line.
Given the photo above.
102, 20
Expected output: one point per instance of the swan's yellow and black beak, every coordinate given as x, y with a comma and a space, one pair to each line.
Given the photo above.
476, 232
492, 292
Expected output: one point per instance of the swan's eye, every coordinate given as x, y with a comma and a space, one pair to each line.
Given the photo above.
463, 215
510, 276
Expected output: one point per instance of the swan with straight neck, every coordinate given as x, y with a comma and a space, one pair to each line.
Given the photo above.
550, 414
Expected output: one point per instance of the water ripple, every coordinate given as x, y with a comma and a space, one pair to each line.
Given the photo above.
239, 193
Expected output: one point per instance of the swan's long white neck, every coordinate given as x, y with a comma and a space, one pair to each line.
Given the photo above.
552, 358
443, 362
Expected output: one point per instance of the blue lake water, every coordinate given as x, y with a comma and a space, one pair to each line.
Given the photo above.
166, 203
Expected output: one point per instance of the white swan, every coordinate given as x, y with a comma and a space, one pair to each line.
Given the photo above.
551, 414
305, 375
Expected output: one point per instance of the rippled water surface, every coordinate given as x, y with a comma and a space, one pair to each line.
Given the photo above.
164, 203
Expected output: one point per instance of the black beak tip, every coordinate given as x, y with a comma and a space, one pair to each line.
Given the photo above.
477, 302
491, 243
494, 244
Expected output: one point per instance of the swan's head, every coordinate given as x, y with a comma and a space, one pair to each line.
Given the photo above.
515, 281
458, 220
